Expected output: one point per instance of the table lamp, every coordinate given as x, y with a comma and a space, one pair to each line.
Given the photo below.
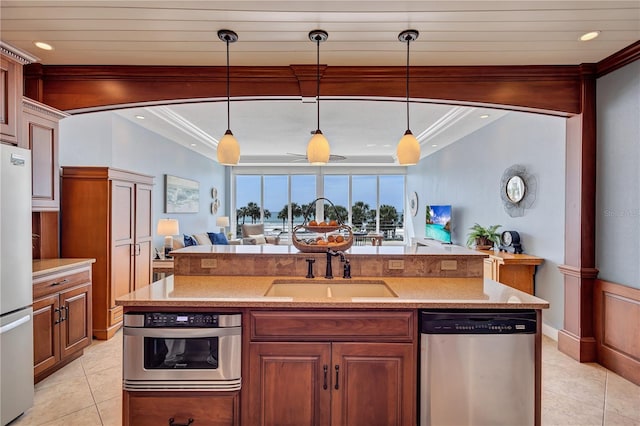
222, 222
168, 228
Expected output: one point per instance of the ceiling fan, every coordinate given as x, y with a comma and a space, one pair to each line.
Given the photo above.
303, 157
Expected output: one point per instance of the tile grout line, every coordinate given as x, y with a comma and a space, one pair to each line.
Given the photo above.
95, 404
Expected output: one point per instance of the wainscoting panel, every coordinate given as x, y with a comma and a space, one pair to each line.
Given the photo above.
617, 328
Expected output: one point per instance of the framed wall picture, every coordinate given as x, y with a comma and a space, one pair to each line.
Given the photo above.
181, 195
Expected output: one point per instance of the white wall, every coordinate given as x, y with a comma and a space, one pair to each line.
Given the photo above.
618, 176
105, 139
467, 175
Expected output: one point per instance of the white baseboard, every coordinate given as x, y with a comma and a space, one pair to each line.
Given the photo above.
550, 332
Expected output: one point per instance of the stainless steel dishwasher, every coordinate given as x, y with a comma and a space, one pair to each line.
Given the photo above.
477, 367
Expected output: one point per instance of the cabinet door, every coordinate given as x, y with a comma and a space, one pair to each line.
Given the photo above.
11, 83
75, 333
288, 384
144, 236
122, 238
376, 384
42, 138
46, 334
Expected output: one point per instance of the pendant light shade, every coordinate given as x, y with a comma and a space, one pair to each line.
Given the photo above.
408, 151
318, 150
228, 147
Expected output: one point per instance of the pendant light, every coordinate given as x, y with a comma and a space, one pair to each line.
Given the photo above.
228, 147
318, 148
408, 150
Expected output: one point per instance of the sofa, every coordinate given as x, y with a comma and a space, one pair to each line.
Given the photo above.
253, 233
202, 239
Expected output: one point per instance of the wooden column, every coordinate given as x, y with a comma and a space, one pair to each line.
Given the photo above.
576, 338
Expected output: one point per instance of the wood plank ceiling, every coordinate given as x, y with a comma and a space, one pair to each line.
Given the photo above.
274, 33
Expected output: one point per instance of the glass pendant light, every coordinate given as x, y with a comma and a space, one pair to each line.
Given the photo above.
318, 148
408, 150
228, 147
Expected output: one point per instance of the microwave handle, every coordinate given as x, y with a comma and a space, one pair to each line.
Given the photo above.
182, 333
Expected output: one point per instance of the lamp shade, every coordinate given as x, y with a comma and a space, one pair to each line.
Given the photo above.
228, 150
408, 150
318, 149
222, 221
168, 227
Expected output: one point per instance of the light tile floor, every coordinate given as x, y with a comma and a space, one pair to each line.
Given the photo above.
88, 391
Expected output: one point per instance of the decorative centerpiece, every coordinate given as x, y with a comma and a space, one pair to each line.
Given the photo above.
314, 237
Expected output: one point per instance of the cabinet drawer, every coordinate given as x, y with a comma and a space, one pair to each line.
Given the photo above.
157, 408
53, 283
394, 326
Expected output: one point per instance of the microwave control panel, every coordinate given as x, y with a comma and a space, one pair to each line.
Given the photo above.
194, 320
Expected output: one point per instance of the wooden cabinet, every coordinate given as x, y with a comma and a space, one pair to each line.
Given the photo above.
181, 408
340, 371
11, 90
61, 317
11, 86
106, 214
40, 135
514, 270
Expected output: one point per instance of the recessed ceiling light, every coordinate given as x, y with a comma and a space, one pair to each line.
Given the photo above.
589, 36
140, 117
42, 45
370, 145
386, 145
193, 144
484, 116
434, 145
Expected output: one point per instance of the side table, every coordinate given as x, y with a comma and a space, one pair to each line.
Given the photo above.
161, 268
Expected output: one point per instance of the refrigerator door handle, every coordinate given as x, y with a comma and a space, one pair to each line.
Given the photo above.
16, 323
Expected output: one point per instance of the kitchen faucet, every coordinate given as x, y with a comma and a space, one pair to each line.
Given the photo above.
347, 267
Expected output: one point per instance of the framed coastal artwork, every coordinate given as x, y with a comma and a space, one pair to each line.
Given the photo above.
181, 195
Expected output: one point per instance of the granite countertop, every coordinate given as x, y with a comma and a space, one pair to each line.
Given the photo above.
248, 291
366, 250
48, 266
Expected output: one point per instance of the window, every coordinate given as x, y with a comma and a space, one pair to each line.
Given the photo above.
369, 203
364, 191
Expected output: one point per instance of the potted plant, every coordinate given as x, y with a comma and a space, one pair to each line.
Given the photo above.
483, 238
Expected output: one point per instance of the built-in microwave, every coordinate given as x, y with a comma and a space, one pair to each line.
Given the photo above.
182, 351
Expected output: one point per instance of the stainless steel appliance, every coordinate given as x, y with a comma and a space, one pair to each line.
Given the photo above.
182, 351
477, 367
16, 315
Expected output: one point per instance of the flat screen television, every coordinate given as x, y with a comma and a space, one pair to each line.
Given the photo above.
438, 223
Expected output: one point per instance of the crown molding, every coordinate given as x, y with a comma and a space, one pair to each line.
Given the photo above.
18, 54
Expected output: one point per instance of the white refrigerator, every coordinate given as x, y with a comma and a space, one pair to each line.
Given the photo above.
16, 314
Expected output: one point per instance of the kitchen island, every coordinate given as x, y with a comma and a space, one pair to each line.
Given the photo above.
436, 260
315, 358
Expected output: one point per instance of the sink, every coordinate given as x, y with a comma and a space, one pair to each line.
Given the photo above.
329, 289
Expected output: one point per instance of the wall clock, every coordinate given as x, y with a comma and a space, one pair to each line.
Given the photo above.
413, 203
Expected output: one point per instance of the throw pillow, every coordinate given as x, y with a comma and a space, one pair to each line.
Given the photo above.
260, 239
218, 238
189, 241
202, 239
